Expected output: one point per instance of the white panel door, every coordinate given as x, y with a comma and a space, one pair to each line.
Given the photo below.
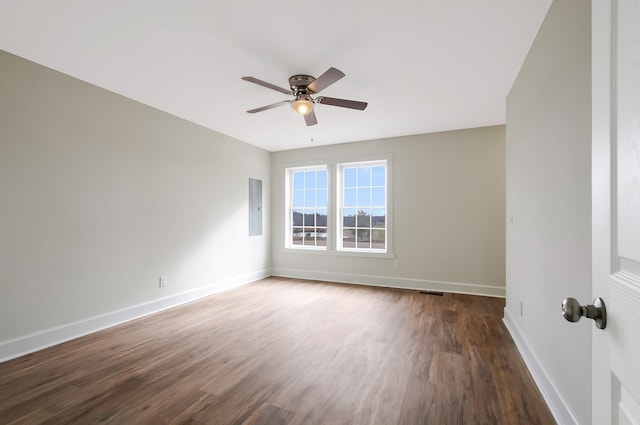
616, 209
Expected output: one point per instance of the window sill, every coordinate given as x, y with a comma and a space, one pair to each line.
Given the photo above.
339, 253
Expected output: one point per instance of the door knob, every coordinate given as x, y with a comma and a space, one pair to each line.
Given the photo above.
573, 311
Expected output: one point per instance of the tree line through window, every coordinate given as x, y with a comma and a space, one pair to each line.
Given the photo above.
361, 207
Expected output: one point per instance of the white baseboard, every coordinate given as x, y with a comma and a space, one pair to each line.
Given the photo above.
20, 346
559, 408
393, 282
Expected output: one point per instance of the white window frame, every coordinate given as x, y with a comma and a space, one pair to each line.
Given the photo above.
334, 196
338, 195
289, 189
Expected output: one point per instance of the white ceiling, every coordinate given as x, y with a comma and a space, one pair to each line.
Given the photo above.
423, 65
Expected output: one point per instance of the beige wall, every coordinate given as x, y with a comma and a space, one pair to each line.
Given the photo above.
100, 195
549, 196
448, 213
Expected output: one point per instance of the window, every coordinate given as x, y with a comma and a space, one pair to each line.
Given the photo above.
362, 206
307, 218
340, 208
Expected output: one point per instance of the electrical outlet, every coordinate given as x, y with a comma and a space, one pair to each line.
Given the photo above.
521, 308
396, 265
163, 281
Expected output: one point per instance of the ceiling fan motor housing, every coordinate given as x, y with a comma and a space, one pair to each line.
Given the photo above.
300, 82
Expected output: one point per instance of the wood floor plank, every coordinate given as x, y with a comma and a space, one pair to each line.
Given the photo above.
269, 414
290, 352
32, 417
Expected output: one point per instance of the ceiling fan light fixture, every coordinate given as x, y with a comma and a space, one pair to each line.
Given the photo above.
302, 105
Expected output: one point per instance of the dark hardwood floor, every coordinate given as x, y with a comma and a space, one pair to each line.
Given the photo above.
283, 351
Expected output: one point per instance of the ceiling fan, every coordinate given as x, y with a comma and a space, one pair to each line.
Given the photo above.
302, 89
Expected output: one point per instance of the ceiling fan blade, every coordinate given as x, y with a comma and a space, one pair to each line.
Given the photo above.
264, 108
310, 119
329, 77
343, 103
267, 85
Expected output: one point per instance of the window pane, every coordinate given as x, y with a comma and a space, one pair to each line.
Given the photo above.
377, 239
298, 198
349, 198
321, 217
322, 179
310, 179
297, 218
321, 198
321, 236
298, 180
349, 178
364, 218
349, 238
364, 197
364, 176
378, 176
363, 238
377, 195
297, 236
349, 217
378, 218
309, 198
